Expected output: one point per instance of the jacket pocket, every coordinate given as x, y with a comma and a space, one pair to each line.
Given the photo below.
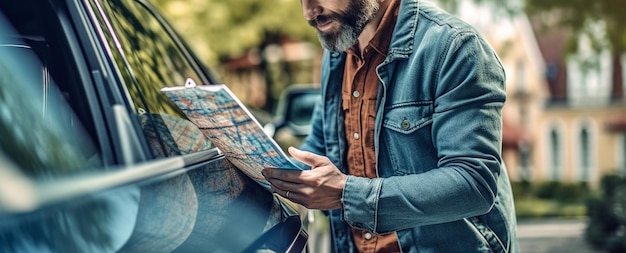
406, 133
407, 118
490, 237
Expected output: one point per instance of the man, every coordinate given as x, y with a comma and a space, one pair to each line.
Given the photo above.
405, 151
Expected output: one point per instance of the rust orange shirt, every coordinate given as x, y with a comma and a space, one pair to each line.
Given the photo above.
359, 90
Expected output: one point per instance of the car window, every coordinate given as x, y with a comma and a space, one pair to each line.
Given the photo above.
41, 130
43, 139
301, 106
149, 59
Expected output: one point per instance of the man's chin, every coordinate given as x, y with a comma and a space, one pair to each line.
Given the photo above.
336, 43
335, 47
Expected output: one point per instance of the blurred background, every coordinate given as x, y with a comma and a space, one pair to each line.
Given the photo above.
564, 139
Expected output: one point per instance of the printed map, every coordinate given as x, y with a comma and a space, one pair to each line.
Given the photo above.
231, 128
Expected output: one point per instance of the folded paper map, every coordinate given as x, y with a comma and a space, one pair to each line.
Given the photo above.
229, 125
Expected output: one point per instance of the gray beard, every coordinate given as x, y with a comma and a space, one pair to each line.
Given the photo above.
359, 14
341, 41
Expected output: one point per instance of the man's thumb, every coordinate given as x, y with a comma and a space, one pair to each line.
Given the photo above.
307, 158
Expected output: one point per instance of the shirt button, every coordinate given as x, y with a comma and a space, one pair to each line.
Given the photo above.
356, 136
356, 94
367, 236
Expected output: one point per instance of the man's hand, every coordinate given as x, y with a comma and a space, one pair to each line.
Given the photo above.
319, 188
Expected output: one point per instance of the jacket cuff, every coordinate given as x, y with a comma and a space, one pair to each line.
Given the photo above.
360, 202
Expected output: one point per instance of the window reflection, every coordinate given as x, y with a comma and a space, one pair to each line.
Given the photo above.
149, 60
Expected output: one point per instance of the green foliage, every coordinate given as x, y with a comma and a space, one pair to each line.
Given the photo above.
560, 191
220, 29
508, 7
563, 192
582, 16
531, 207
607, 216
550, 199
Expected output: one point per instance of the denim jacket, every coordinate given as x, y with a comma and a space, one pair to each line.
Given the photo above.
442, 184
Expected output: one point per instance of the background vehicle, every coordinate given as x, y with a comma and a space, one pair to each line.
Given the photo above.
94, 158
292, 118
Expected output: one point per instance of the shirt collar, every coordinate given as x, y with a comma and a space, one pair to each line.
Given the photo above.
382, 36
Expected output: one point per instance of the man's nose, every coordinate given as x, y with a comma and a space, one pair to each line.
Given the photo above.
311, 9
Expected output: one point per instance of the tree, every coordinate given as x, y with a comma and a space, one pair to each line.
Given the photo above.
580, 16
222, 29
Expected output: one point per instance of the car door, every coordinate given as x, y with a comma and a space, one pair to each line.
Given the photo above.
127, 171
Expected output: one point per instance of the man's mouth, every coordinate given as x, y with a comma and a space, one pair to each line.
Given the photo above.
321, 22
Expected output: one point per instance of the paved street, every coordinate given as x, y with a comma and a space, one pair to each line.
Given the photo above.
553, 236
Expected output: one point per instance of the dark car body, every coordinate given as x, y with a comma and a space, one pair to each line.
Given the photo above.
94, 158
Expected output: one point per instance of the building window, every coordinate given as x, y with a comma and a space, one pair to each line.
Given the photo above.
585, 155
589, 71
622, 156
525, 161
555, 155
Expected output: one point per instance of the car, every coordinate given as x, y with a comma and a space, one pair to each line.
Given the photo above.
291, 122
95, 158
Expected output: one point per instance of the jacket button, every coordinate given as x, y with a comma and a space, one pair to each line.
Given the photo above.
356, 94
406, 124
356, 136
367, 236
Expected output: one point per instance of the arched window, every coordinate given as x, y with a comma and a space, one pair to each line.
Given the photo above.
555, 155
585, 155
525, 161
621, 156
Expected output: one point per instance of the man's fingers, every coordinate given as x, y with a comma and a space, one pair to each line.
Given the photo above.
308, 158
284, 185
278, 174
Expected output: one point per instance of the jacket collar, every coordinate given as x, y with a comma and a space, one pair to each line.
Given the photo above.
404, 31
